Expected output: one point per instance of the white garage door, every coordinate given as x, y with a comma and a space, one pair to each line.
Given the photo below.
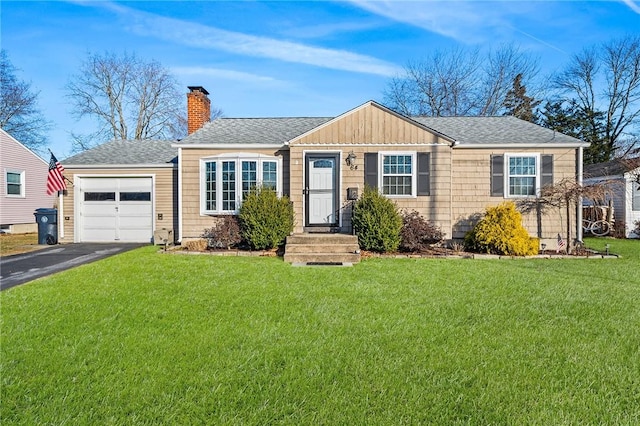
116, 209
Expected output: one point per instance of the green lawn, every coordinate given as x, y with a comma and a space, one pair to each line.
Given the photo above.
152, 338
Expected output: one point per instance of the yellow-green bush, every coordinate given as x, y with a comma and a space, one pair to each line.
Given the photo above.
500, 231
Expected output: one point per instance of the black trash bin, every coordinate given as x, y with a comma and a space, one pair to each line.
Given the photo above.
47, 220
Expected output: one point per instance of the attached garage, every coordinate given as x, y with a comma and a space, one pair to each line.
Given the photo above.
115, 209
122, 191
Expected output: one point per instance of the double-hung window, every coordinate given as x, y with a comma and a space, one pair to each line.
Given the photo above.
519, 175
226, 180
398, 174
522, 175
14, 183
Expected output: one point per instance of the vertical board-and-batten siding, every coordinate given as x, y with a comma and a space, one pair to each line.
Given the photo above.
164, 201
193, 221
369, 130
15, 157
369, 125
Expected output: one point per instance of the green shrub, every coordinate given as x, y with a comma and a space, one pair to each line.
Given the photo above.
500, 231
377, 222
224, 234
418, 233
265, 219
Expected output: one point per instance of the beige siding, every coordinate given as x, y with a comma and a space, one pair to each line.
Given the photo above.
471, 185
193, 221
164, 201
433, 207
460, 178
369, 125
366, 130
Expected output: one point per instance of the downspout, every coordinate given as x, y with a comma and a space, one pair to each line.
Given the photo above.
579, 206
179, 230
451, 218
60, 215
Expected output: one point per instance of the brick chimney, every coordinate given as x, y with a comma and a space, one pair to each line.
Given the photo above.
198, 108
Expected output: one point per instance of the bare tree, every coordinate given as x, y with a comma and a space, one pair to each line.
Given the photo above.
500, 69
606, 78
566, 195
459, 82
129, 98
19, 113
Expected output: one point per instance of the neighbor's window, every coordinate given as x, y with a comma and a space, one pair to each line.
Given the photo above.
226, 180
397, 174
15, 184
635, 194
522, 175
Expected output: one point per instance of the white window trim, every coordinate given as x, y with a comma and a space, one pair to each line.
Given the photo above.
23, 180
237, 159
507, 157
414, 172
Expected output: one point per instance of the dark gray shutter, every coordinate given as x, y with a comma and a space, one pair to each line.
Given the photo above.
497, 175
424, 173
371, 169
547, 170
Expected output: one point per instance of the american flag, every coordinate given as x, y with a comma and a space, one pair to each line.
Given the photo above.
561, 243
55, 180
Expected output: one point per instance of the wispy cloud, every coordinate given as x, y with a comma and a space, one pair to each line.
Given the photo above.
225, 74
207, 37
329, 29
460, 20
632, 5
469, 22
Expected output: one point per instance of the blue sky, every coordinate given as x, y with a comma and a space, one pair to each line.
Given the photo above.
277, 58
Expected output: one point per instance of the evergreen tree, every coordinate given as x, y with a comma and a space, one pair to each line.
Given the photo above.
570, 118
518, 103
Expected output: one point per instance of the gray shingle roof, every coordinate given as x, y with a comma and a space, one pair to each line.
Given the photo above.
464, 130
611, 168
494, 130
253, 130
126, 152
279, 130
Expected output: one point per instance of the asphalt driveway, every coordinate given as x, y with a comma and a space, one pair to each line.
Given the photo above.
22, 268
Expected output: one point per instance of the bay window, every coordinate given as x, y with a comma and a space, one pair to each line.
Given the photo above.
226, 180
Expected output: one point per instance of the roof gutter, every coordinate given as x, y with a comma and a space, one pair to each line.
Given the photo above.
230, 145
120, 166
519, 145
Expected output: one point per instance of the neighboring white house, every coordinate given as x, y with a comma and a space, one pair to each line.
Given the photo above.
622, 178
23, 185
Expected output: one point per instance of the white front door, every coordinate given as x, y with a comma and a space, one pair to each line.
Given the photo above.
116, 209
321, 190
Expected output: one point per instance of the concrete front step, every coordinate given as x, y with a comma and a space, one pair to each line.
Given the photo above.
327, 249
322, 258
322, 239
322, 248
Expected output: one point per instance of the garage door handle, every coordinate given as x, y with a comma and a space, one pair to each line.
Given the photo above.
116, 208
